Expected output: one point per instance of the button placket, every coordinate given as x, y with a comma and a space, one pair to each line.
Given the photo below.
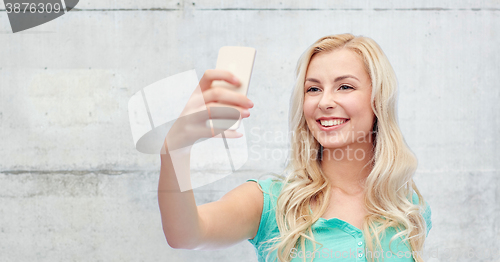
360, 254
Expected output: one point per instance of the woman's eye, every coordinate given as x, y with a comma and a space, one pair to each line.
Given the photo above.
345, 87
312, 89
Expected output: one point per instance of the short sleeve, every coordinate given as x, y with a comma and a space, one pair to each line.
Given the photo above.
265, 210
264, 215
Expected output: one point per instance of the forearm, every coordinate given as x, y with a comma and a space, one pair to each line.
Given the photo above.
180, 219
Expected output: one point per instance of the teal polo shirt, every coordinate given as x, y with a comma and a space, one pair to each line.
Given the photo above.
341, 241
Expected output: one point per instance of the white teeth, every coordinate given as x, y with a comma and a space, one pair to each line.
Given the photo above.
332, 122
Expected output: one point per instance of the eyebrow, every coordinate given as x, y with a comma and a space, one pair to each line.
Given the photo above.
336, 79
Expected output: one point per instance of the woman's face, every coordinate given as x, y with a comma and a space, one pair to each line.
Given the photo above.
337, 93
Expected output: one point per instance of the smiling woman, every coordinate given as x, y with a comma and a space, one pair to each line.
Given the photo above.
347, 192
348, 185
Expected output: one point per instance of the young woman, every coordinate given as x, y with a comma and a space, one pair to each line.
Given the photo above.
347, 192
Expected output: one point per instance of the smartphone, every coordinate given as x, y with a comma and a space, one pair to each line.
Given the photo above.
239, 61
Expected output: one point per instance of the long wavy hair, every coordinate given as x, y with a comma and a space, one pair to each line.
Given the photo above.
388, 188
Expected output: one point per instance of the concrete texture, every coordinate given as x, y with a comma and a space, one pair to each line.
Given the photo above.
73, 188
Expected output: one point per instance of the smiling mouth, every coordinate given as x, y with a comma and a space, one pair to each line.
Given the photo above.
335, 122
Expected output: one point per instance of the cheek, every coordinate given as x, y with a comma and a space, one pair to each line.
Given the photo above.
361, 110
309, 108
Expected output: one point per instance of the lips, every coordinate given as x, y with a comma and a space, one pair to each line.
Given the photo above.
332, 118
333, 127
331, 121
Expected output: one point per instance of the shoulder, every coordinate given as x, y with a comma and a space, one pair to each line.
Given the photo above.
269, 190
425, 211
270, 186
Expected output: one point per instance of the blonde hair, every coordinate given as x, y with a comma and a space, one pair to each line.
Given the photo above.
389, 186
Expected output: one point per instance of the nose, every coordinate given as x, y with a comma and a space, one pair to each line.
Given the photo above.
327, 101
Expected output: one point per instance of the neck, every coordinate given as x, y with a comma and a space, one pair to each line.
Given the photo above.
347, 168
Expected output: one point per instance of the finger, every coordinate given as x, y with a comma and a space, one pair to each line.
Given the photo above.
208, 132
221, 111
217, 111
215, 74
196, 134
226, 96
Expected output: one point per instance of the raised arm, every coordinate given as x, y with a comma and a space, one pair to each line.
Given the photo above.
233, 218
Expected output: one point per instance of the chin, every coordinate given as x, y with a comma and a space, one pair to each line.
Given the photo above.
332, 140
333, 145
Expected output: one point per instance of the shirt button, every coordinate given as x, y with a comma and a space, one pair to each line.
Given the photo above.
360, 243
360, 255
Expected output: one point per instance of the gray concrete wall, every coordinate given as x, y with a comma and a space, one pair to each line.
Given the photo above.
73, 188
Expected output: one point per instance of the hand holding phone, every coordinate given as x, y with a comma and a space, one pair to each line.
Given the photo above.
239, 61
